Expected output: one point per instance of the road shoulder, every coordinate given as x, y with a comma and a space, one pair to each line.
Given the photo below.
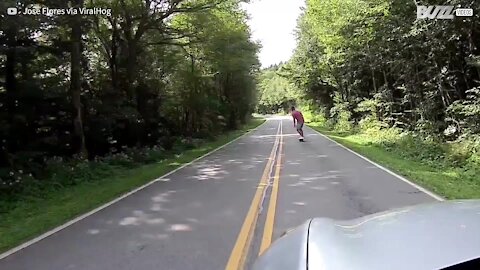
439, 184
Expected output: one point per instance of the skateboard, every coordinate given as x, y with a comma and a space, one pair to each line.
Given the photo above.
301, 140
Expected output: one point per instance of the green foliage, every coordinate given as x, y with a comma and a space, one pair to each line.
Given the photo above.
52, 204
313, 114
148, 76
421, 74
60, 173
340, 116
275, 94
465, 114
409, 86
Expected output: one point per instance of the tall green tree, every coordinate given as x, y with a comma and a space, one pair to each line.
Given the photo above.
375, 50
92, 86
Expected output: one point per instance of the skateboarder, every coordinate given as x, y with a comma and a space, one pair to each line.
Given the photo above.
298, 122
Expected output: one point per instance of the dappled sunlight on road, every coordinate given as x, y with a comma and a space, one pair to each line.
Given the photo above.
180, 228
311, 182
153, 220
93, 231
293, 162
233, 161
206, 172
298, 184
317, 156
192, 220
247, 167
299, 203
141, 218
308, 179
156, 207
216, 169
162, 197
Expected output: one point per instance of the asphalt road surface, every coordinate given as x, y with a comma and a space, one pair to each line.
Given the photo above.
221, 211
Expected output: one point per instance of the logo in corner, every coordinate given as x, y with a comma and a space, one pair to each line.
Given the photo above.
436, 12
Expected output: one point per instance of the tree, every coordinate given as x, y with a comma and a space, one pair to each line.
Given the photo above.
75, 78
93, 86
414, 70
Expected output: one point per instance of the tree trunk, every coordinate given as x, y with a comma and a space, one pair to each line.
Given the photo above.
75, 81
10, 79
113, 59
385, 81
187, 121
374, 82
11, 91
131, 69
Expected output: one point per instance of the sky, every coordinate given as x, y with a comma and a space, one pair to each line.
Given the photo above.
273, 23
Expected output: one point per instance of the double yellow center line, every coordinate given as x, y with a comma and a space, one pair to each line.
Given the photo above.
242, 245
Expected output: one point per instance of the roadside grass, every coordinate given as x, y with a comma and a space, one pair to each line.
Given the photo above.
439, 176
34, 216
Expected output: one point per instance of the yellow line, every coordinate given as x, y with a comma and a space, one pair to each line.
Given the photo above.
242, 245
272, 205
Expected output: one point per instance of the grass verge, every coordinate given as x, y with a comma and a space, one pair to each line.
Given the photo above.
451, 182
34, 216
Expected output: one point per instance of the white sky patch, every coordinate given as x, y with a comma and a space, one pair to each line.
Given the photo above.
273, 23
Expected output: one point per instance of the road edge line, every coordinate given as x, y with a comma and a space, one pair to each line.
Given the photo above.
422, 189
99, 208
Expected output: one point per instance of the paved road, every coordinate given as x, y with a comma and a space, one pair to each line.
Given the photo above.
219, 212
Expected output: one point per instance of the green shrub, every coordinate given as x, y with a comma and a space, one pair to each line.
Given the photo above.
13, 182
369, 124
473, 162
119, 159
67, 173
312, 115
458, 153
340, 118
309, 116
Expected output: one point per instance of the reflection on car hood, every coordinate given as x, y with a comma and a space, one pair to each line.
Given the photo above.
429, 236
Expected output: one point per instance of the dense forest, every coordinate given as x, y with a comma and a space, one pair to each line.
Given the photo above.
275, 92
116, 88
370, 71
373, 63
373, 60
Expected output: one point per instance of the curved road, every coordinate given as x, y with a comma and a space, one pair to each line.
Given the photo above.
222, 210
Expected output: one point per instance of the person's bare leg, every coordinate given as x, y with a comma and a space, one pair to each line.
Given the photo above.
300, 132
